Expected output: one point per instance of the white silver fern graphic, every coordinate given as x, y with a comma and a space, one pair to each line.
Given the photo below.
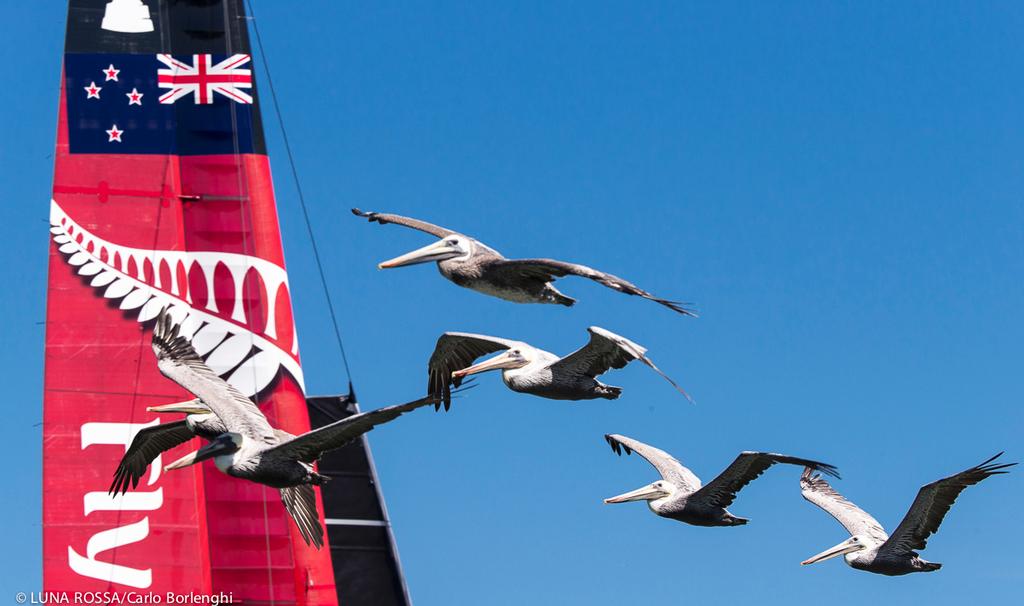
247, 360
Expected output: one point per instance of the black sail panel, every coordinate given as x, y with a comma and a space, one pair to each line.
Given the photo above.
367, 570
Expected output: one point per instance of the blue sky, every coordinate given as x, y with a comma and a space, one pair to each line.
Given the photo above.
837, 187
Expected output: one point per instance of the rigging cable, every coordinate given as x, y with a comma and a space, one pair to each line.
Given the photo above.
298, 189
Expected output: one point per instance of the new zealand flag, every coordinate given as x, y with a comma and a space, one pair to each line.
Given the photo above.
161, 104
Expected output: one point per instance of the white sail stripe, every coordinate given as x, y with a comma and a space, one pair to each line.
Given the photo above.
238, 313
174, 282
120, 288
90, 269
271, 327
150, 310
120, 285
136, 298
272, 275
102, 279
211, 299
189, 326
78, 258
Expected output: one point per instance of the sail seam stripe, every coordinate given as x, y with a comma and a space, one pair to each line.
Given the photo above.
354, 522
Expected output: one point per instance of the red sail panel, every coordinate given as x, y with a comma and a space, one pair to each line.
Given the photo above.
162, 197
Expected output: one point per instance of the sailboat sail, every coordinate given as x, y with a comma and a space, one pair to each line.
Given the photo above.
363, 551
162, 197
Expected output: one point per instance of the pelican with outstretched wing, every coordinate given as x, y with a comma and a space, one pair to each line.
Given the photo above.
679, 495
242, 442
151, 442
471, 263
869, 547
527, 369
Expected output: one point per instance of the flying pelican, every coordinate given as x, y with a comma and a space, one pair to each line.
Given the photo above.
527, 369
471, 263
247, 446
152, 441
870, 548
679, 495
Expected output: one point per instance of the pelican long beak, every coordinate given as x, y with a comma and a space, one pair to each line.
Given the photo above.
213, 449
843, 548
438, 251
185, 461
498, 361
647, 493
194, 406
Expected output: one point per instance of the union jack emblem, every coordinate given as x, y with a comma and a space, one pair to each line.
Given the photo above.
203, 78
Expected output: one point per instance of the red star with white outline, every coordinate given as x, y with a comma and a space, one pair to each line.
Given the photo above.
92, 91
115, 135
111, 72
134, 97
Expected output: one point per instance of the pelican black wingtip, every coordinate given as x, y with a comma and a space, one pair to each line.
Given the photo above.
617, 447
831, 470
440, 401
989, 467
370, 216
681, 307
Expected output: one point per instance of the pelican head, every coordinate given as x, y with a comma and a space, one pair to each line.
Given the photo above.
448, 247
855, 543
652, 492
194, 406
514, 357
224, 444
